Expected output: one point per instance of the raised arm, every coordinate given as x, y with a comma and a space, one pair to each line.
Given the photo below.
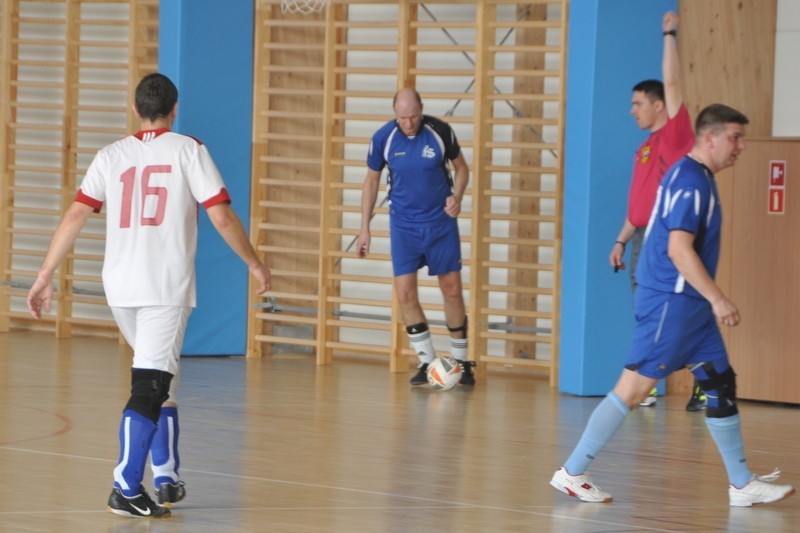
369, 195
670, 66
230, 228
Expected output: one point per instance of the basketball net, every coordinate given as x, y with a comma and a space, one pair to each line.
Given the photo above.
303, 7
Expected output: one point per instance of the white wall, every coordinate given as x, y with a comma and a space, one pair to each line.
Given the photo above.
786, 110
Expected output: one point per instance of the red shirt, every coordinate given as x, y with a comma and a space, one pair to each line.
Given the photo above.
661, 150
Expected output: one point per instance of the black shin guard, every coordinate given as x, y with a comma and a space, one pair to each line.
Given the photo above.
416, 329
723, 387
149, 389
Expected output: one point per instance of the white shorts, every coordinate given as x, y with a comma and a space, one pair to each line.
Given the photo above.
156, 336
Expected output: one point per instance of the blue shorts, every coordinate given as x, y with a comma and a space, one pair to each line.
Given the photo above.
672, 331
436, 245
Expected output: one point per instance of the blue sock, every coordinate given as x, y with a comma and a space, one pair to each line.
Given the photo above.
727, 433
164, 450
604, 422
135, 436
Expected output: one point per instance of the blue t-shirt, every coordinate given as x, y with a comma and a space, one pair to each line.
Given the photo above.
687, 200
419, 180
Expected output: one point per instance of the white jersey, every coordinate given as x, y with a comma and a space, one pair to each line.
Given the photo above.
151, 183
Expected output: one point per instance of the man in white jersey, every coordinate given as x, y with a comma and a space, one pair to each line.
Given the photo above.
150, 183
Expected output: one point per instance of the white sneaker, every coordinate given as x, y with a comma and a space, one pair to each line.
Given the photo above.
580, 487
651, 399
759, 490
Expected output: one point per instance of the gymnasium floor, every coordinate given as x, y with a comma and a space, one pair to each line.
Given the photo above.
279, 445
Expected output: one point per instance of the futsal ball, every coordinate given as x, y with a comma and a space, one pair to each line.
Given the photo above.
444, 373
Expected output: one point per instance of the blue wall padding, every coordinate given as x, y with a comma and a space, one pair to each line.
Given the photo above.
612, 46
206, 48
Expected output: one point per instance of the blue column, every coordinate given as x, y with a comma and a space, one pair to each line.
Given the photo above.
206, 48
612, 46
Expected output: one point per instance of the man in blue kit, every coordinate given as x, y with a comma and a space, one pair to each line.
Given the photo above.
424, 205
678, 309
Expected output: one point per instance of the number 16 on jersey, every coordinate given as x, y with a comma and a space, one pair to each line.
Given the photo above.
151, 194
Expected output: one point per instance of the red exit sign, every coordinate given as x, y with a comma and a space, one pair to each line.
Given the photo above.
777, 188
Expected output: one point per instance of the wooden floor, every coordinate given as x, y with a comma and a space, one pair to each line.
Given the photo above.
281, 445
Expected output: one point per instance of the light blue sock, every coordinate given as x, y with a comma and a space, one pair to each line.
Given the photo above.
604, 422
727, 433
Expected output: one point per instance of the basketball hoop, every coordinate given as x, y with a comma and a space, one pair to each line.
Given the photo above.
303, 7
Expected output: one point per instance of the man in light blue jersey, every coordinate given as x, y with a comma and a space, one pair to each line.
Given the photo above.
424, 203
678, 311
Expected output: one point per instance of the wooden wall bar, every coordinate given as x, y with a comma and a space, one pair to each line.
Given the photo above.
494, 70
324, 83
69, 68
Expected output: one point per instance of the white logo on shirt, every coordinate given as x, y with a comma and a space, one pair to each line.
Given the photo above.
428, 152
398, 154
